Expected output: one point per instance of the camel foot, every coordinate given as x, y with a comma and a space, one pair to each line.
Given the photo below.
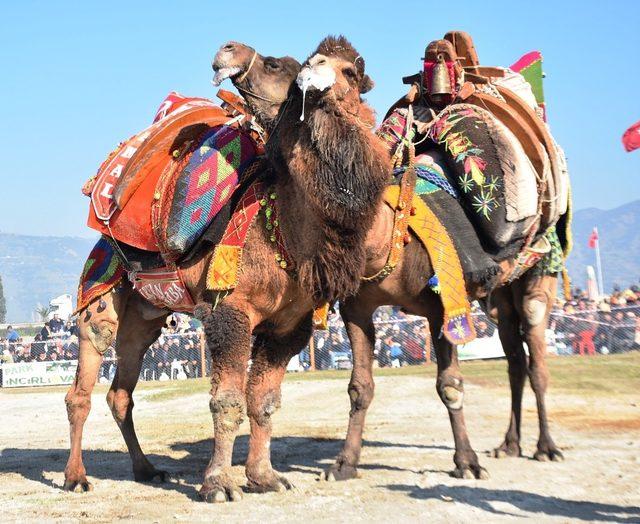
507, 449
220, 489
270, 482
151, 474
81, 485
471, 472
340, 471
551, 454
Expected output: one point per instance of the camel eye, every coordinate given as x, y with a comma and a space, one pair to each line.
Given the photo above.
349, 73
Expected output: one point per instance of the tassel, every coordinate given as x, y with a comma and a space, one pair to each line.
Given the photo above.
566, 284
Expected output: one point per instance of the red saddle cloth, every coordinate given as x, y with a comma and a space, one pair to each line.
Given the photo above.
129, 193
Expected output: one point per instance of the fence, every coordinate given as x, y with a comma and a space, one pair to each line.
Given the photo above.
400, 340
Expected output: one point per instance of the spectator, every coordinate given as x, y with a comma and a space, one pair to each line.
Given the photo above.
484, 329
38, 347
56, 324
12, 334
45, 333
6, 357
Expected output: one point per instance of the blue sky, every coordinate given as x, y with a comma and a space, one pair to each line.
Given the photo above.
78, 77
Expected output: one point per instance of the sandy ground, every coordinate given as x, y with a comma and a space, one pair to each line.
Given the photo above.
405, 464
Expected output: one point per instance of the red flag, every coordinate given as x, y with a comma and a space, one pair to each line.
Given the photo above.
593, 238
631, 137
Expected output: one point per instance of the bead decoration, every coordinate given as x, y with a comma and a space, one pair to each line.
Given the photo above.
272, 225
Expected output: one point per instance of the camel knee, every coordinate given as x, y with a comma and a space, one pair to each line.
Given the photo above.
534, 307
78, 404
100, 334
261, 408
120, 402
228, 409
361, 395
451, 391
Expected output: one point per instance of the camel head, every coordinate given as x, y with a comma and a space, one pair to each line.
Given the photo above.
262, 80
335, 74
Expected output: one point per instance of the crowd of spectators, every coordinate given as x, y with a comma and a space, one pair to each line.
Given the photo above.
57, 340
175, 355
579, 326
611, 325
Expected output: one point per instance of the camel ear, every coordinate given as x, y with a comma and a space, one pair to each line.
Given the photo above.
366, 84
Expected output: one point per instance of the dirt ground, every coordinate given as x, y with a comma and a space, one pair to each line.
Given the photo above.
406, 462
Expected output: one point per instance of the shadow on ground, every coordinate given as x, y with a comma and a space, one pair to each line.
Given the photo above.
298, 454
486, 499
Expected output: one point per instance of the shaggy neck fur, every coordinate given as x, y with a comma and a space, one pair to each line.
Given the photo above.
331, 171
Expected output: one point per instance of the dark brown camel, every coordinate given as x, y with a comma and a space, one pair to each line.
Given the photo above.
522, 308
331, 152
268, 301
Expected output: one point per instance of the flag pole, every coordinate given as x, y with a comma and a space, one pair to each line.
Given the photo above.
599, 264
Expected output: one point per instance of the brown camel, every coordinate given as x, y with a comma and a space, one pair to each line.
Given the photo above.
124, 316
522, 309
323, 236
524, 304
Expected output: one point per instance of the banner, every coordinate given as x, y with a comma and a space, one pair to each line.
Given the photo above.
26, 374
481, 348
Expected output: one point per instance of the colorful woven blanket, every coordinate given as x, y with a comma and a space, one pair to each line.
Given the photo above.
159, 190
225, 265
200, 184
436, 192
102, 271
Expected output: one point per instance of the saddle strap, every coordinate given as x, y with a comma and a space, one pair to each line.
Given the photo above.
401, 213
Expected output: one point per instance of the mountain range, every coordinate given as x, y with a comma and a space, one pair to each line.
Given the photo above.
35, 269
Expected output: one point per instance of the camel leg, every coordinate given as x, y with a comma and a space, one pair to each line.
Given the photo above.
228, 333
450, 388
535, 300
268, 366
135, 334
511, 339
97, 326
361, 332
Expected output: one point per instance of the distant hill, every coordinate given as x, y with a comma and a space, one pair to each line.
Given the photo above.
36, 269
619, 231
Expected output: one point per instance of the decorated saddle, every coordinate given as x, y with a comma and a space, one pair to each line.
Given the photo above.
159, 190
162, 191
489, 182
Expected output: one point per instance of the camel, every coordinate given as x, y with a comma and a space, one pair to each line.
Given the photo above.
324, 235
124, 316
522, 308
329, 175
524, 304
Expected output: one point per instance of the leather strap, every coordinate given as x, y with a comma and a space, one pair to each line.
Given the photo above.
401, 214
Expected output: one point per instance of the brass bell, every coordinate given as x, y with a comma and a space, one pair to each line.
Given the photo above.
440, 81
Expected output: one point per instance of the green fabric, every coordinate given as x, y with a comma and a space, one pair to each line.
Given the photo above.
533, 74
553, 262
